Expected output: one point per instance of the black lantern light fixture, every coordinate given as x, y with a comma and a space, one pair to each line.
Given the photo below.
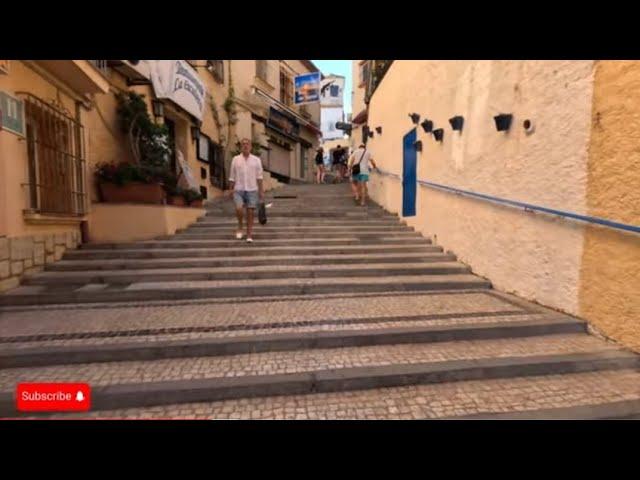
503, 121
427, 125
438, 134
379, 130
370, 133
457, 122
158, 108
195, 133
418, 145
415, 118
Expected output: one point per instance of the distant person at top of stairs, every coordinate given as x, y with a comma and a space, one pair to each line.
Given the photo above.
340, 163
320, 165
245, 184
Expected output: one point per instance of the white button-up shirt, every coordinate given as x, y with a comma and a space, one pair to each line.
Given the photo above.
245, 172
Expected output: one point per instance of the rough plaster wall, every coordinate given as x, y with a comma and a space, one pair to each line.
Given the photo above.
532, 255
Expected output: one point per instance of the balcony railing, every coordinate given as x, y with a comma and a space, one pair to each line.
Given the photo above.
101, 65
377, 70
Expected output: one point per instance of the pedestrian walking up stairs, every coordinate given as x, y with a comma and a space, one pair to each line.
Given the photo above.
335, 311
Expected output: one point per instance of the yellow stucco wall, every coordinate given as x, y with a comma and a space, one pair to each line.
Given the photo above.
129, 222
104, 140
534, 256
13, 153
610, 276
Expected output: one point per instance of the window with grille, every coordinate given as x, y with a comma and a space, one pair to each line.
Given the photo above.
56, 158
217, 175
261, 70
286, 88
216, 67
364, 74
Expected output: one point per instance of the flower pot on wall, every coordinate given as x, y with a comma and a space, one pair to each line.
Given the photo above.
177, 200
134, 192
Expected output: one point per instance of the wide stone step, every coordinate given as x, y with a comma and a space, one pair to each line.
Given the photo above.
341, 222
541, 397
289, 213
246, 273
142, 291
152, 348
280, 242
130, 384
614, 410
134, 264
227, 234
233, 316
245, 250
317, 230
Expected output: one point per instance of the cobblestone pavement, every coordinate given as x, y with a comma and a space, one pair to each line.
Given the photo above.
409, 403
323, 302
291, 309
272, 363
320, 326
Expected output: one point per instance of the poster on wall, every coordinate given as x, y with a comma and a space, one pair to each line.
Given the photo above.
307, 88
176, 80
328, 119
332, 91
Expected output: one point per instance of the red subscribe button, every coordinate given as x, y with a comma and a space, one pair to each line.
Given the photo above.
53, 397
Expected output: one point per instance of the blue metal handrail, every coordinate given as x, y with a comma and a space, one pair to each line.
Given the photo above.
525, 206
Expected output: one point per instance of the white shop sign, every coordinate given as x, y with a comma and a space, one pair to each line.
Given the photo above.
176, 80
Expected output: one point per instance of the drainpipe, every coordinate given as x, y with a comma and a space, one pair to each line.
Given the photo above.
81, 170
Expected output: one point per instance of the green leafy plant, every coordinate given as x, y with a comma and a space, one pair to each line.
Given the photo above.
149, 142
192, 195
125, 172
170, 184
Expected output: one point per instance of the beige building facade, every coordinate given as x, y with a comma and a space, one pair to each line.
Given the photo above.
60, 120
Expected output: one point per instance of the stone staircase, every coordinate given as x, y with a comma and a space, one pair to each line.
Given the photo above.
335, 311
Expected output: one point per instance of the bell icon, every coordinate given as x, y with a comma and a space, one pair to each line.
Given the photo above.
79, 396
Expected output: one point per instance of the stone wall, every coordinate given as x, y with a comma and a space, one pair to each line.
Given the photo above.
24, 255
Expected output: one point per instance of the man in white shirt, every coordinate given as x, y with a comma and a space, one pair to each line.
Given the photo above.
245, 183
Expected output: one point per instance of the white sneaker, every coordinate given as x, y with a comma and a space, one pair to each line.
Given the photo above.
249, 240
239, 235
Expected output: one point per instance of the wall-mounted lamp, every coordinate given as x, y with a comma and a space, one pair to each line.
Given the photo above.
457, 122
418, 145
503, 121
415, 118
158, 108
370, 133
379, 130
438, 134
195, 133
427, 125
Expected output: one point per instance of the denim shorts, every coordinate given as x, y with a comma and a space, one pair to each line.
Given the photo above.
361, 177
244, 198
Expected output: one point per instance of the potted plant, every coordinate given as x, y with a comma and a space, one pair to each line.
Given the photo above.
193, 197
175, 194
140, 180
129, 183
